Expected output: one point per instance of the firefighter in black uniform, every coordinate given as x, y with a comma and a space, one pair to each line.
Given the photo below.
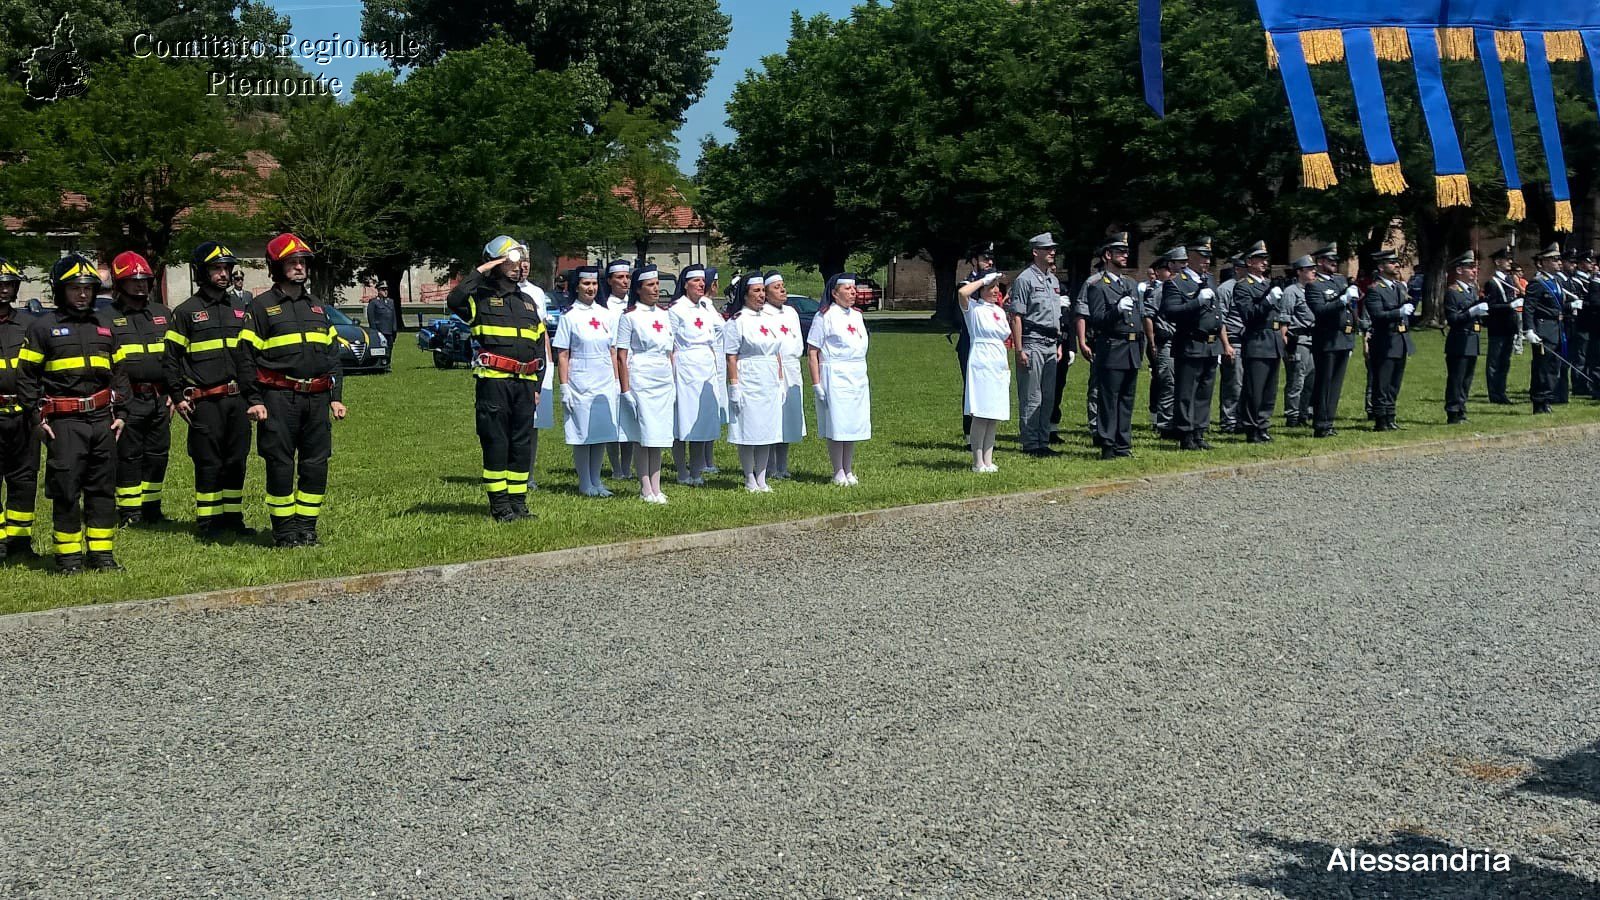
510, 337
288, 364
19, 435
70, 379
140, 327
205, 391
1541, 323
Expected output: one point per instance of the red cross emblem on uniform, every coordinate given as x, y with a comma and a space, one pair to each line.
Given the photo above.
784, 329
594, 323
851, 328
996, 316
764, 331
699, 324
656, 324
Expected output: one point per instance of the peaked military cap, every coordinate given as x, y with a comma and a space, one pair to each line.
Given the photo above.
1329, 252
1258, 250
1465, 261
1304, 262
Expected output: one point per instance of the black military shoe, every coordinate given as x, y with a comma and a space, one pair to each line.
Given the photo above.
1188, 443
152, 514
234, 522
519, 506
1124, 454
210, 529
1322, 433
69, 564
20, 550
103, 561
1057, 439
1201, 443
500, 508
130, 517
1108, 453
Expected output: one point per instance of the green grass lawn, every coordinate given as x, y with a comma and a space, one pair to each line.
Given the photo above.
404, 487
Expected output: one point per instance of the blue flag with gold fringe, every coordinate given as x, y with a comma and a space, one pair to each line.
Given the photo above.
1360, 33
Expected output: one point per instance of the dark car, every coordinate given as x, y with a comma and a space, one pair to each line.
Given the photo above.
806, 308
360, 349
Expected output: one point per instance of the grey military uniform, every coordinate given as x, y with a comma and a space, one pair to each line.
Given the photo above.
1232, 375
1163, 387
1299, 362
1080, 311
381, 317
1118, 355
1036, 299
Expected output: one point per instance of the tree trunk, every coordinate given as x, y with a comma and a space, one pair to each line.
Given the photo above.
832, 261
945, 310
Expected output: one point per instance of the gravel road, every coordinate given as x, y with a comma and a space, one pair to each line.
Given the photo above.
1193, 691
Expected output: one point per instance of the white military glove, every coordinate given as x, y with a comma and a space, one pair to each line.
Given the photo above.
735, 394
1408, 310
1480, 309
1071, 356
1125, 304
569, 396
1577, 306
1275, 294
1517, 304
632, 399
1207, 294
1352, 294
820, 392
990, 278
1533, 337
1066, 302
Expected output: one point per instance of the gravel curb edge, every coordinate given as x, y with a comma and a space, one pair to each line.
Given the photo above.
232, 598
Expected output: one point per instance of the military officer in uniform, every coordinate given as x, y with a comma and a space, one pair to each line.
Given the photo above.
19, 436
1083, 334
1541, 322
1163, 384
1388, 306
1232, 375
1568, 279
1118, 320
1464, 313
1035, 306
140, 326
1504, 323
1331, 299
288, 361
381, 314
71, 380
1189, 301
1587, 325
1299, 361
507, 370
205, 391
1259, 307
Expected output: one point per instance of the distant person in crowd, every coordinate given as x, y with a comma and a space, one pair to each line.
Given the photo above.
381, 315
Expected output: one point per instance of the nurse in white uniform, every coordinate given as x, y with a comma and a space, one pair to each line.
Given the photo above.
988, 395
619, 279
589, 389
794, 347
544, 415
699, 372
753, 345
644, 347
838, 351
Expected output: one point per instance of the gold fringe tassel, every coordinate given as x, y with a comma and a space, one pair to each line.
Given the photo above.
1564, 216
1510, 46
1316, 171
1452, 190
1392, 44
1322, 46
1272, 52
1516, 206
1457, 43
1388, 179
1563, 46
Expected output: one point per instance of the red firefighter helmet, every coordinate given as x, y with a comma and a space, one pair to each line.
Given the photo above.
283, 247
129, 265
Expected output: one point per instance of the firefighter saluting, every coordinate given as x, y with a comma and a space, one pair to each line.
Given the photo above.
140, 327
19, 432
205, 391
72, 380
512, 350
288, 362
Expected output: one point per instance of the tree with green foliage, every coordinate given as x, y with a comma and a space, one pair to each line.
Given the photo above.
145, 147
637, 48
641, 154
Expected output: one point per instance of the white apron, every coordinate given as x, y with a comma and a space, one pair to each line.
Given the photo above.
794, 395
700, 370
646, 333
988, 366
591, 390
757, 420
544, 415
846, 412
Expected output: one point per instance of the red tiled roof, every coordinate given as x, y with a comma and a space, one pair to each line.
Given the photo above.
263, 163
679, 216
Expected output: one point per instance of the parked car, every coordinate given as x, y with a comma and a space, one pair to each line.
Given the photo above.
869, 295
360, 349
806, 308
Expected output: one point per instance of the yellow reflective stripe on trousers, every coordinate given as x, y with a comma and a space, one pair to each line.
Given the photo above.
280, 506
78, 362
19, 523
309, 505
208, 503
68, 542
131, 496
516, 482
152, 490
100, 539
494, 482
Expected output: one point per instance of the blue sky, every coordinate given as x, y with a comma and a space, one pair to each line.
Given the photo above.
760, 27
